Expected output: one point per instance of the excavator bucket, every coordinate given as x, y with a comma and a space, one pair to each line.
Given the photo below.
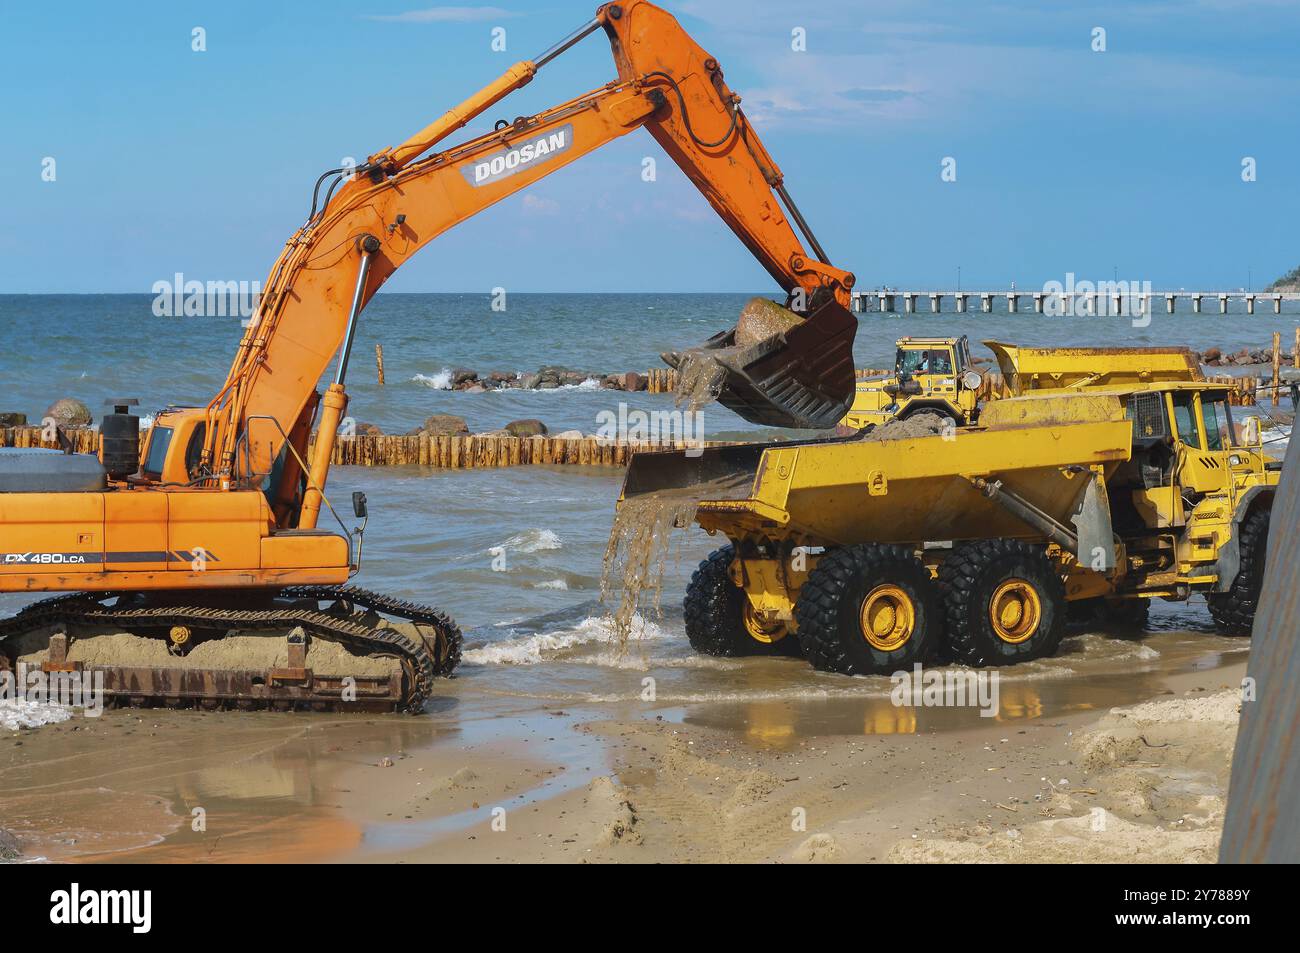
801, 377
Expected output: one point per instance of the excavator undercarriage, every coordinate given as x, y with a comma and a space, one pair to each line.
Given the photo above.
150, 649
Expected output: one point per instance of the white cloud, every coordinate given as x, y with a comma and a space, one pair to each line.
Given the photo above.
536, 205
445, 15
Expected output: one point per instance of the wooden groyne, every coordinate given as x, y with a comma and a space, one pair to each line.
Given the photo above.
468, 452
449, 452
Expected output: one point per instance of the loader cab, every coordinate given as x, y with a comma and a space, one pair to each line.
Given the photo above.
930, 374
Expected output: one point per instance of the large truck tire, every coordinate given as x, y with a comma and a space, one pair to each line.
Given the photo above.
1234, 611
869, 609
1004, 603
718, 621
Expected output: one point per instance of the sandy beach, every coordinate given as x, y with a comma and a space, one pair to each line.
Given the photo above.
1106, 766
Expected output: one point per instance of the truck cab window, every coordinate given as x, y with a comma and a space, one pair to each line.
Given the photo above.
1185, 420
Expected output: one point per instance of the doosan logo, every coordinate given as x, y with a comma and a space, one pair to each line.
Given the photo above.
509, 161
77, 906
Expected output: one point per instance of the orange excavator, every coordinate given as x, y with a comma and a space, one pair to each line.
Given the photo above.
194, 569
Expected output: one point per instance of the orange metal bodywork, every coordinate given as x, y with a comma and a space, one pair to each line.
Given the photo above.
230, 486
150, 538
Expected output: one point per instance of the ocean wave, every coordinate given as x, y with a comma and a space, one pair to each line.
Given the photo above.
530, 541
545, 646
438, 381
552, 584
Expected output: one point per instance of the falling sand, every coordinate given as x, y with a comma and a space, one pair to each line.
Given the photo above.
640, 539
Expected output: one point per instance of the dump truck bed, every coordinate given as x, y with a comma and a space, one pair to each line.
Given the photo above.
903, 489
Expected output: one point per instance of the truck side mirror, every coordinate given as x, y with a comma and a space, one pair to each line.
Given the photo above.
359, 508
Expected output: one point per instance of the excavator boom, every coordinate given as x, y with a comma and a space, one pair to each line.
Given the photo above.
405, 196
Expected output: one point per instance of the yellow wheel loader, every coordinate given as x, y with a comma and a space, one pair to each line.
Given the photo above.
931, 375
1111, 478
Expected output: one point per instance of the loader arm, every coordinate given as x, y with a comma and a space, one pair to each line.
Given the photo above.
369, 223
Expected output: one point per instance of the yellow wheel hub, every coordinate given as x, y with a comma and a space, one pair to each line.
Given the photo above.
1015, 611
888, 617
761, 630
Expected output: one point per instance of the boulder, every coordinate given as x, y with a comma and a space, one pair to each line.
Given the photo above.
13, 420
527, 428
633, 381
530, 381
70, 412
1211, 355
502, 377
762, 318
569, 435
612, 382
368, 430
462, 375
444, 424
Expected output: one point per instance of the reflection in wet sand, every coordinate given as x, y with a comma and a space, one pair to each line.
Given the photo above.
782, 723
181, 786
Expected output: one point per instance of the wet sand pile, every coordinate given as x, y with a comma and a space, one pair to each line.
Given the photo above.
1155, 784
762, 318
253, 651
700, 376
924, 424
639, 543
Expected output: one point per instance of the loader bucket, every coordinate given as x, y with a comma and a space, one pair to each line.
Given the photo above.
801, 378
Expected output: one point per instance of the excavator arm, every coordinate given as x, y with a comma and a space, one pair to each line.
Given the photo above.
371, 221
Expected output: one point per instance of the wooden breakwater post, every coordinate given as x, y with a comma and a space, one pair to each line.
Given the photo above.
379, 362
83, 439
444, 451
661, 380
471, 452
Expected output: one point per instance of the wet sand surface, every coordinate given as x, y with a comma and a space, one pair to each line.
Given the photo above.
750, 760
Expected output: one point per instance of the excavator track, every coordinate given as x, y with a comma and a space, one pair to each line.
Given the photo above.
435, 653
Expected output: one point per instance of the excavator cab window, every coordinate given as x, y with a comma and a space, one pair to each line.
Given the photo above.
194, 450
159, 442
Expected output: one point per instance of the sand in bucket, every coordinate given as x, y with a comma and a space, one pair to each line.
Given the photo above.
700, 378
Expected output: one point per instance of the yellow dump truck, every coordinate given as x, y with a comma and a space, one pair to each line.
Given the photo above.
933, 375
1089, 488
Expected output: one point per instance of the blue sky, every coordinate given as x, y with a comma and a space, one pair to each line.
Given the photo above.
1068, 160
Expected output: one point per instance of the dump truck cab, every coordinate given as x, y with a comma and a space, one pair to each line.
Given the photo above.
1194, 478
930, 374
